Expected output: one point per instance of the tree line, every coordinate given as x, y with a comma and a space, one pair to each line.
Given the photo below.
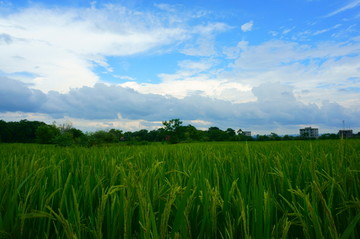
173, 131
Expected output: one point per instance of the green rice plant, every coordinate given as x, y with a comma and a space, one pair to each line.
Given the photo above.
297, 189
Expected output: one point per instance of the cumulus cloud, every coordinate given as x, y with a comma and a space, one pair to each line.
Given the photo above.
322, 69
247, 26
317, 73
62, 46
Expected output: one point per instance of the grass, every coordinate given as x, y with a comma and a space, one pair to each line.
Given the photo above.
301, 189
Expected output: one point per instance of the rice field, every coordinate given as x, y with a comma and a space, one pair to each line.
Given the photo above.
294, 189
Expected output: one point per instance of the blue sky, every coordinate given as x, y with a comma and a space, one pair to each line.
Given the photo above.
263, 66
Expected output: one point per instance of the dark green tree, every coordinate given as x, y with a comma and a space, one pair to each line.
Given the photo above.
45, 134
231, 134
175, 132
329, 136
141, 135
64, 139
172, 125
5, 133
216, 134
192, 134
274, 136
117, 135
101, 137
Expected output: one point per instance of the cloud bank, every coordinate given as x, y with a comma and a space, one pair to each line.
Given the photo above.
275, 106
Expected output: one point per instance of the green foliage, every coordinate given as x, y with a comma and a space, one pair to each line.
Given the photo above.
116, 134
76, 133
278, 189
231, 134
174, 130
172, 125
65, 139
102, 136
216, 134
46, 134
329, 136
23, 131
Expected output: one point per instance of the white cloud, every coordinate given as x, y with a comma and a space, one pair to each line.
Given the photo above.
62, 46
196, 77
273, 33
352, 4
212, 88
322, 69
86, 125
204, 43
166, 7
197, 66
319, 70
326, 29
201, 47
234, 52
287, 30
247, 26
128, 78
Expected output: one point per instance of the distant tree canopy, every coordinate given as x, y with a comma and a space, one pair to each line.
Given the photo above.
45, 134
173, 131
23, 131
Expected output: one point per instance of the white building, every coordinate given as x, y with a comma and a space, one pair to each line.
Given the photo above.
309, 132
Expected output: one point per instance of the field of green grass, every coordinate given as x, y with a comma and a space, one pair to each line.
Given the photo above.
293, 189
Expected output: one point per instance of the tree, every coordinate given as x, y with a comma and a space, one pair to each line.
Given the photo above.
274, 136
76, 133
329, 136
117, 134
231, 134
5, 133
174, 130
23, 131
191, 133
216, 134
262, 137
45, 134
101, 136
64, 139
157, 135
288, 137
65, 127
141, 135
172, 125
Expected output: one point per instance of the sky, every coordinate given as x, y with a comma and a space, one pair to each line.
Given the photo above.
261, 66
